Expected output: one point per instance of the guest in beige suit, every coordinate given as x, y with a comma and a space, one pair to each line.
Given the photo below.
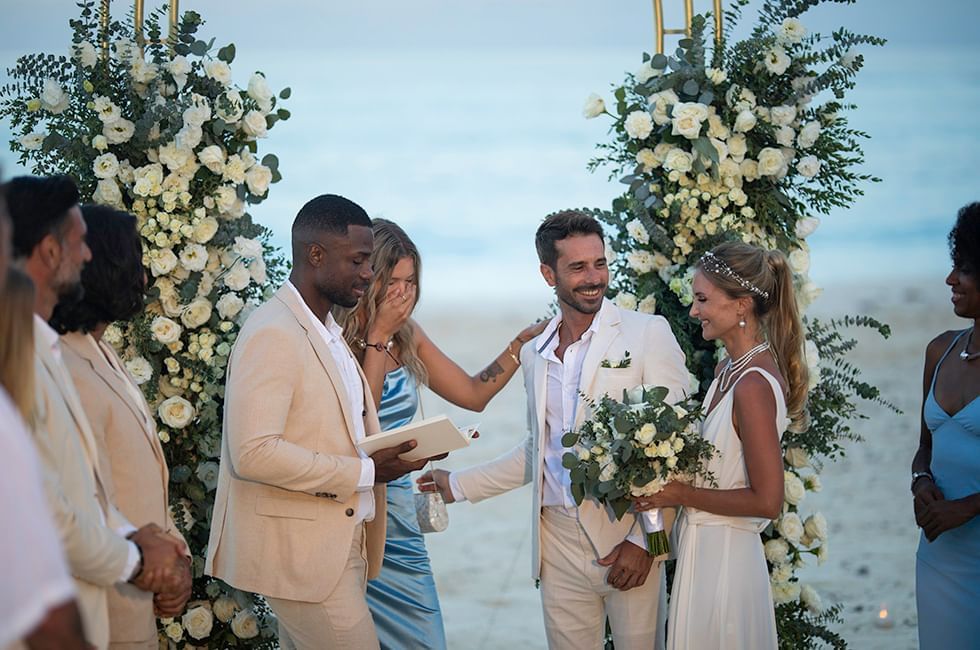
124, 429
590, 565
102, 547
299, 514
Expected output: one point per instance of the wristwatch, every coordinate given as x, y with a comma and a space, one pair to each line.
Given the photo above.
917, 475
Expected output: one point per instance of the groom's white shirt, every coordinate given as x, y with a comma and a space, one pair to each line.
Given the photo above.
655, 358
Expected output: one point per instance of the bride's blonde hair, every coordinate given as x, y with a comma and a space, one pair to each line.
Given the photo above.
391, 245
765, 276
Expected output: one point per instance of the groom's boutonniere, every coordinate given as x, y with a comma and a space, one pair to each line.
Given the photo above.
622, 363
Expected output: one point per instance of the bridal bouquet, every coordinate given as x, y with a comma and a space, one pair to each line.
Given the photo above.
633, 448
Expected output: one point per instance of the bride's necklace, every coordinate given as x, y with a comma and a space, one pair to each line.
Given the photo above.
734, 368
969, 356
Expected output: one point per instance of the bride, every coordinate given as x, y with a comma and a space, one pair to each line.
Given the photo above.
721, 597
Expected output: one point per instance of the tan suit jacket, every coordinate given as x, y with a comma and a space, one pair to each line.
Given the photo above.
283, 519
655, 358
136, 477
85, 518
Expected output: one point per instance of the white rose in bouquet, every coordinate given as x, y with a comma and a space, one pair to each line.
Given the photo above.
785, 136
791, 31
258, 178
254, 124
745, 121
198, 621
808, 166
176, 412
785, 592
258, 89
646, 72
229, 305
256, 269
771, 162
105, 109
822, 553
224, 198
196, 313
32, 141
716, 75
811, 599
118, 132
637, 231
165, 330
174, 631
189, 137
648, 305
107, 192
53, 97
194, 257
205, 230
237, 278
640, 261
679, 160
799, 261
247, 248
782, 115
197, 114
777, 61
219, 71
234, 170
739, 98
594, 106
638, 125
749, 169
692, 109
106, 166
790, 527
224, 608
793, 488
686, 125
809, 134
777, 550
175, 157
816, 526
162, 261
806, 226
179, 67
229, 106
781, 573
647, 158
85, 54
737, 147
625, 300
245, 625
139, 369
797, 458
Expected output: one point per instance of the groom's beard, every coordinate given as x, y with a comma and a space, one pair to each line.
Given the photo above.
580, 303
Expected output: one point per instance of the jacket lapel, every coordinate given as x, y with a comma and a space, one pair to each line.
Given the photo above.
607, 333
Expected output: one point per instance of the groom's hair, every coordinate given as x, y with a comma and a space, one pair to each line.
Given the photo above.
38, 206
561, 225
328, 213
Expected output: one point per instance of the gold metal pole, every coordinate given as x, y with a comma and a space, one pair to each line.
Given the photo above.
660, 31
104, 28
688, 16
174, 17
658, 24
138, 20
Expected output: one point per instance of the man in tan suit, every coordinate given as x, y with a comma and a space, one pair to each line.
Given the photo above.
589, 565
102, 547
299, 514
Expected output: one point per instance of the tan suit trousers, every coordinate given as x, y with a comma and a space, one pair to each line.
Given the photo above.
342, 621
577, 599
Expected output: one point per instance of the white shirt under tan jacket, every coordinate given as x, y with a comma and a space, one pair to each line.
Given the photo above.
566, 538
290, 498
92, 530
136, 480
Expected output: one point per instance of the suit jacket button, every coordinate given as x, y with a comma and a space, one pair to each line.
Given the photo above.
364, 413
350, 512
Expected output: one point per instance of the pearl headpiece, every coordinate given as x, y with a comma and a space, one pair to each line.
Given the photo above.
715, 264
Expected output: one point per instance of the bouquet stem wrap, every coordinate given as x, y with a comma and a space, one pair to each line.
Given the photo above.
655, 535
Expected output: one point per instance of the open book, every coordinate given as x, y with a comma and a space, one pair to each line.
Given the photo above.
435, 435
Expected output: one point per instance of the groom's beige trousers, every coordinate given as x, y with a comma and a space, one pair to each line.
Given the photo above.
342, 621
577, 599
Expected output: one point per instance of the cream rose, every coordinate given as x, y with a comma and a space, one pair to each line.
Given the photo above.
165, 330
229, 305
816, 527
625, 300
777, 550
646, 72
176, 412
119, 131
785, 592
745, 121
638, 125
749, 169
594, 106
139, 369
771, 161
809, 166
797, 458
238, 277
53, 97
777, 61
219, 71
205, 230
791, 527
808, 134
194, 257
647, 158
782, 115
212, 157
224, 198
162, 261
679, 161
687, 126
258, 178
196, 313
198, 621
247, 248
785, 136
224, 608
107, 193
258, 89
645, 434
793, 488
245, 625
648, 305
254, 124
174, 631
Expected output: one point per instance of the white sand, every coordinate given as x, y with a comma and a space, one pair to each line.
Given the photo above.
482, 562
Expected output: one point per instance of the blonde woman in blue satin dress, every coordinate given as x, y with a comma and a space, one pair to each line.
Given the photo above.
721, 597
397, 356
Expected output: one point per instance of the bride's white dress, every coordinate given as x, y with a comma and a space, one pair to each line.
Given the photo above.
721, 596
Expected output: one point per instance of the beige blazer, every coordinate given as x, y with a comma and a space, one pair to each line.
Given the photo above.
136, 477
655, 358
283, 518
76, 489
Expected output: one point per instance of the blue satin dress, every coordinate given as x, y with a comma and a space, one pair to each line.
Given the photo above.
947, 570
403, 599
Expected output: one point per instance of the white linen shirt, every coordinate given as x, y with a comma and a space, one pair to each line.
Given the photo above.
333, 335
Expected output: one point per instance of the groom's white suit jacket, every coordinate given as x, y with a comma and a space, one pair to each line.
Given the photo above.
655, 359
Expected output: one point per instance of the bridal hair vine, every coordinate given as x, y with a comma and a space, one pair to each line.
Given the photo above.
715, 264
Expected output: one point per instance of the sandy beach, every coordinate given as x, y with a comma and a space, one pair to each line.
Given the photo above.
482, 562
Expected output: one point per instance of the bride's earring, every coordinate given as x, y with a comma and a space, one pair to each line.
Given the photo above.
741, 322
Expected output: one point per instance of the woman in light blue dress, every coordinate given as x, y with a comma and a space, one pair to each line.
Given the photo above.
946, 468
397, 356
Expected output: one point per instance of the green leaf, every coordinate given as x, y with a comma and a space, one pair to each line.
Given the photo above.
659, 61
271, 161
570, 439
605, 487
691, 87
686, 43
577, 475
622, 424
199, 48
285, 93
283, 114
620, 507
657, 393
227, 53
578, 493
569, 460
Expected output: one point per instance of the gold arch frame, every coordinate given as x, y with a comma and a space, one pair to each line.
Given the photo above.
661, 31
138, 12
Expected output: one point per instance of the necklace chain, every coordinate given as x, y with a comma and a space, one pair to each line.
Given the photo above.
733, 368
966, 355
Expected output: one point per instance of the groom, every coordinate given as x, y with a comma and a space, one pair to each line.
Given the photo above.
589, 565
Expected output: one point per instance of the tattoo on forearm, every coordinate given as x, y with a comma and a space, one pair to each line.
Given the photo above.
491, 372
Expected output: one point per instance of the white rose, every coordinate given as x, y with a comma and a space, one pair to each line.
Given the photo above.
258, 89
679, 160
638, 125
785, 592
106, 165
245, 625
646, 72
224, 198
777, 61
247, 248
105, 109
53, 97
637, 231
194, 257
811, 599
608, 472
797, 458
165, 330
793, 488
693, 109
822, 553
229, 305
717, 128
716, 75
225, 608
100, 143
791, 527
176, 412
174, 631
196, 115
640, 261
237, 278
162, 261
197, 313
745, 121
645, 434
179, 67
219, 71
771, 161
254, 124
782, 115
107, 193
816, 526
785, 136
229, 106
625, 300
85, 54
212, 157
189, 137
31, 141
256, 269
258, 178
198, 621
205, 230
234, 170
799, 261
594, 106
648, 305
687, 126
119, 131
781, 573
806, 226
809, 134
742, 100
749, 169
808, 166
777, 550
139, 369
175, 157
791, 31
